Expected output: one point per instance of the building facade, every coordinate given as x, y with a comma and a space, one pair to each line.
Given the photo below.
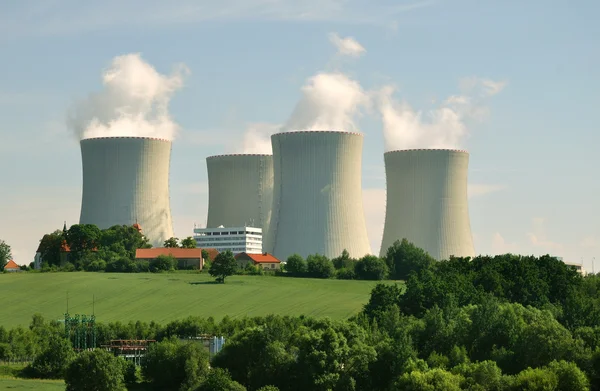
264, 261
187, 258
235, 239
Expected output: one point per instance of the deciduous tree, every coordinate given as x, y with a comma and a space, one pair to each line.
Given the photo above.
5, 254
224, 265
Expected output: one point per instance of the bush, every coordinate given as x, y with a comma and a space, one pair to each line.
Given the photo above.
296, 265
371, 267
345, 274
171, 364
96, 370
219, 380
54, 361
319, 266
67, 267
163, 263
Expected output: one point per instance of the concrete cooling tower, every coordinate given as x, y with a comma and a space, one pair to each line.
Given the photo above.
317, 195
427, 201
240, 190
126, 180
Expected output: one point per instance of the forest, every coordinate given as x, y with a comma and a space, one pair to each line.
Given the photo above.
492, 323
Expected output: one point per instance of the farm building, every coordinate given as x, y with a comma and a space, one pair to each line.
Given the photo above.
265, 261
186, 257
11, 266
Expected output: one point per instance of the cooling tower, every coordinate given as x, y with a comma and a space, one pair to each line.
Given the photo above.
240, 190
427, 201
317, 195
126, 180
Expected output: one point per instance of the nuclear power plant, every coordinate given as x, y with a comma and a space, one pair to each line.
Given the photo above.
427, 201
240, 190
126, 180
317, 195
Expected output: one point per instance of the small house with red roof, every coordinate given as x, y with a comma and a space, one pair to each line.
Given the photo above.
12, 266
265, 261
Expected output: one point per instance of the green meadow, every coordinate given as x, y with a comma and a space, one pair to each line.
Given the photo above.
169, 296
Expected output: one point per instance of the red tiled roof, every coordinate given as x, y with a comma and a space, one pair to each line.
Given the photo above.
11, 265
261, 258
175, 252
212, 253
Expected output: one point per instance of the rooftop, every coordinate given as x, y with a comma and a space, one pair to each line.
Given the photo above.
260, 258
11, 265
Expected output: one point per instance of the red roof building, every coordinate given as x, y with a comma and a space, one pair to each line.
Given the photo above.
11, 266
265, 261
186, 257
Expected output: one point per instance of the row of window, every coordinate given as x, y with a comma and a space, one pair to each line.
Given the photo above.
228, 233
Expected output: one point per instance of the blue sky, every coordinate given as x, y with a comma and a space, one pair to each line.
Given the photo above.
533, 169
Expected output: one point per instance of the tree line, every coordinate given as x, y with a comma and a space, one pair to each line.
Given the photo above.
492, 323
93, 249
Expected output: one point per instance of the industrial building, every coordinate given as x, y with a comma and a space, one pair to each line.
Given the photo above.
427, 201
317, 195
126, 181
240, 190
235, 239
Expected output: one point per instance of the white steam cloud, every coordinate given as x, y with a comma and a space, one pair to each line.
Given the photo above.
442, 127
330, 101
257, 138
134, 102
346, 46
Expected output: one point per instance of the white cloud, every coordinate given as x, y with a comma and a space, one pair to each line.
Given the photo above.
537, 238
442, 127
330, 101
257, 138
63, 17
346, 46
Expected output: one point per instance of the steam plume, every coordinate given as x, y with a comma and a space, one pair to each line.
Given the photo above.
330, 101
257, 138
134, 102
442, 127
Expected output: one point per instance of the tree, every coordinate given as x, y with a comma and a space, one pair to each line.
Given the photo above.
371, 267
295, 265
171, 243
319, 266
172, 365
219, 380
123, 240
50, 246
96, 370
83, 237
205, 255
163, 263
404, 257
5, 254
55, 359
224, 265
383, 297
343, 261
188, 242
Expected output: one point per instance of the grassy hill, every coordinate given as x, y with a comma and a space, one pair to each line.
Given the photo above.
165, 297
37, 385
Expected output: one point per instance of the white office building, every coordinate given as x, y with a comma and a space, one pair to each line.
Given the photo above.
236, 239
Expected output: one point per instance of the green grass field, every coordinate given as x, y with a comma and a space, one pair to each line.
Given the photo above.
38, 385
170, 296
